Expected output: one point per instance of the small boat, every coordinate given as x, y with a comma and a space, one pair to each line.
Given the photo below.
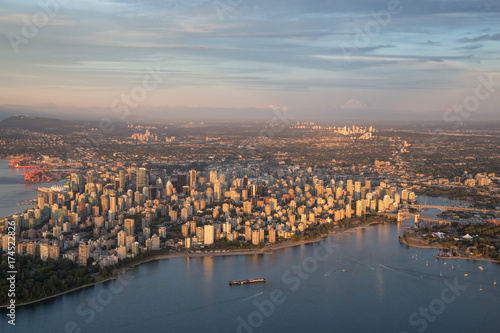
466, 274
494, 282
480, 268
242, 282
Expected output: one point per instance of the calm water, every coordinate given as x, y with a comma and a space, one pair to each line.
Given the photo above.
368, 283
12, 192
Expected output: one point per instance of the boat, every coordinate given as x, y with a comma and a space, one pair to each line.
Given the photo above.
480, 268
242, 282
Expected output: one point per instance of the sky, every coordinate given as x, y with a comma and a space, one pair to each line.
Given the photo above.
172, 58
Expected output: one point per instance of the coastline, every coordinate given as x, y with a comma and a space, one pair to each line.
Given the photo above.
468, 258
60, 294
421, 246
268, 250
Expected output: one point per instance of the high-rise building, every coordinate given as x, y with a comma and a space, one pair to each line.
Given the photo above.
122, 252
185, 229
121, 238
247, 207
31, 249
83, 254
181, 181
199, 234
350, 188
122, 178
54, 252
44, 252
255, 237
208, 234
141, 179
192, 178
213, 176
41, 200
217, 190
368, 185
155, 242
248, 233
357, 190
130, 227
272, 235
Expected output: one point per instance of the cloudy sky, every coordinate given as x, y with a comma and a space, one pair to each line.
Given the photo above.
410, 58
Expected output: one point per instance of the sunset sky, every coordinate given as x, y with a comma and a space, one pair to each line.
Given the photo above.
420, 57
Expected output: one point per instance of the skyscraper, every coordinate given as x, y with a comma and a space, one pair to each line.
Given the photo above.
192, 178
130, 227
181, 181
213, 176
141, 179
122, 179
208, 234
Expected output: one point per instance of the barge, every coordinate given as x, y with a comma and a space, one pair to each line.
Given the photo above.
241, 282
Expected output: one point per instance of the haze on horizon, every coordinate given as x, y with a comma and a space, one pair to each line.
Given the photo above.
322, 58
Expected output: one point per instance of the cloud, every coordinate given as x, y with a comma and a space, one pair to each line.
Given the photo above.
488, 37
470, 47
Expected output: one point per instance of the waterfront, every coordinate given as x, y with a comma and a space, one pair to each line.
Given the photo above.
13, 192
369, 282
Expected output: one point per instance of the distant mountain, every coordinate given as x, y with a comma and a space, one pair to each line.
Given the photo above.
38, 124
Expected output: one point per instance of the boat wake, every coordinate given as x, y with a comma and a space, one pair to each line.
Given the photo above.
250, 297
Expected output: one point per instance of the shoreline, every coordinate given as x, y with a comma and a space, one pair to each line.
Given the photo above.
421, 246
468, 258
62, 293
269, 250
402, 241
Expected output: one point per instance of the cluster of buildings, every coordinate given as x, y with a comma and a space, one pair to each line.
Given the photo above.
345, 130
149, 137
111, 213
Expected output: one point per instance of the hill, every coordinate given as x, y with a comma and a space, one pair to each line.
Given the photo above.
38, 124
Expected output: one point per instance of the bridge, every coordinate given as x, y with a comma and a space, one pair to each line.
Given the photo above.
403, 215
455, 208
